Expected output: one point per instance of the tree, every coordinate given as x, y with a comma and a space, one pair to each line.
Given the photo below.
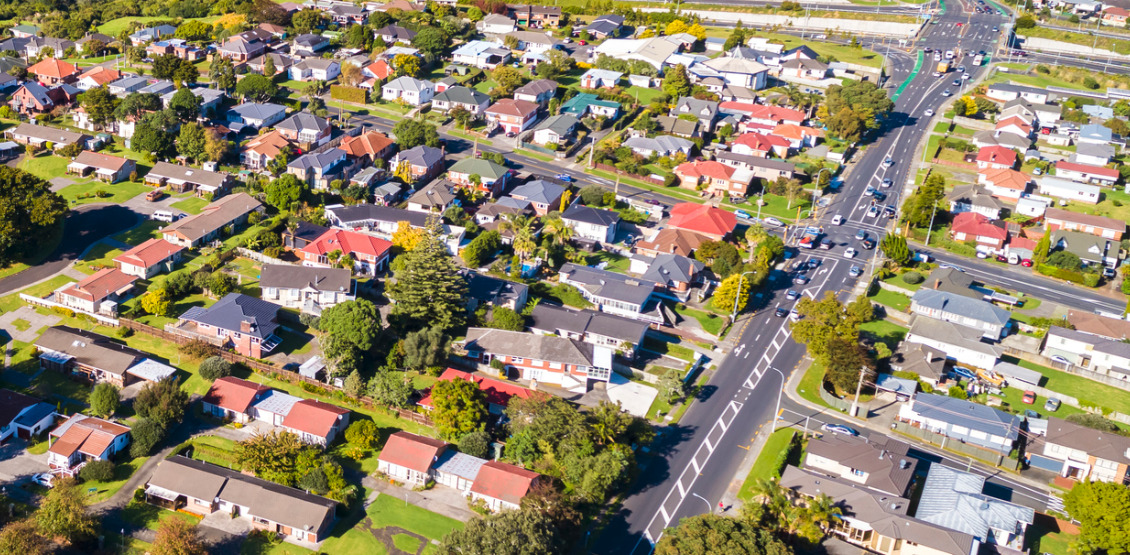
1093, 421
1066, 260
162, 401
185, 104
672, 388
353, 385
193, 30
306, 21
459, 407
1043, 246
431, 40
23, 537
62, 515
1103, 512
134, 105
363, 433
406, 237
151, 135
29, 211
860, 310
192, 140
676, 83
821, 321
737, 37
284, 191
391, 388
854, 107
474, 13
966, 106
712, 534
214, 368
476, 444
1025, 22
222, 73
256, 88
729, 290
144, 435
426, 348
220, 283
919, 209
505, 318
522, 532
462, 116
157, 302
97, 471
894, 247
410, 133
272, 456
429, 290
481, 248
406, 65
350, 330
99, 104
104, 400
507, 79
675, 27
269, 69
216, 147
843, 361
176, 536
178, 70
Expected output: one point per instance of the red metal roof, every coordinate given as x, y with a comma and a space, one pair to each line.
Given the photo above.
997, 155
507, 482
313, 417
348, 242
100, 285
412, 451
707, 220
233, 393
972, 223
149, 253
498, 392
1086, 168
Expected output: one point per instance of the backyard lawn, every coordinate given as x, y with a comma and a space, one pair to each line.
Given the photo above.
150, 516
1081, 388
882, 330
45, 166
387, 511
613, 262
86, 192
192, 205
122, 472
765, 467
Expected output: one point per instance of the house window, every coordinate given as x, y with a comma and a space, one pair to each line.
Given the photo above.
517, 360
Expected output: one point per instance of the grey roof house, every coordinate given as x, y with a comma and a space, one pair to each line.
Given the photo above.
543, 195
661, 145
305, 288
986, 317
953, 499
674, 275
880, 463
962, 420
590, 326
592, 224
489, 290
614, 293
257, 114
237, 320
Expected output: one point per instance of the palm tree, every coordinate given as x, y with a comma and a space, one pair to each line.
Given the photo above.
560, 231
524, 241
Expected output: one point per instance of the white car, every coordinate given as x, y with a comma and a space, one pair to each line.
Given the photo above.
44, 479
965, 76
773, 221
888, 162
850, 252
947, 93
838, 220
929, 113
873, 212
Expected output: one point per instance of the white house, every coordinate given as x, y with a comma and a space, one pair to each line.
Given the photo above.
958, 342
315, 69
1068, 190
409, 90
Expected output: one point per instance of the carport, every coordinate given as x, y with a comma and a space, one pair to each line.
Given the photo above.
1014, 373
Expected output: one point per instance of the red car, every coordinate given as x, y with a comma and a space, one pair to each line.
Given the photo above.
1027, 263
1029, 397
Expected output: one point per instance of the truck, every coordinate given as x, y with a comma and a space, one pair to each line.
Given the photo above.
943, 66
810, 238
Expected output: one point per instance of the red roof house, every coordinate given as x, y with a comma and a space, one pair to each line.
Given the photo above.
316, 422
409, 457
145, 260
760, 113
370, 254
370, 145
995, 157
232, 398
700, 218
1015, 125
1004, 183
83, 438
1085, 173
760, 144
107, 285
498, 392
501, 485
52, 71
974, 226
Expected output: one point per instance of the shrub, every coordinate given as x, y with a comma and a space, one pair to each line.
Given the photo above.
196, 349
124, 332
912, 278
97, 471
309, 320
957, 392
214, 368
1043, 69
476, 444
363, 434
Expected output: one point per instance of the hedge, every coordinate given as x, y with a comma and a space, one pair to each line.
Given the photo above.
349, 94
1090, 280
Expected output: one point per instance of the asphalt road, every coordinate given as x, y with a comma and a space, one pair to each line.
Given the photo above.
884, 7
696, 461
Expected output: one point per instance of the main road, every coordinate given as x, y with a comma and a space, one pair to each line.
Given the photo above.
692, 464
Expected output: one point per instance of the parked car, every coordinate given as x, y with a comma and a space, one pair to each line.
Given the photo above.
792, 295
44, 479
565, 177
1029, 397
1051, 405
773, 221
813, 263
742, 214
1027, 263
839, 429
154, 195
964, 373
1031, 414
1061, 359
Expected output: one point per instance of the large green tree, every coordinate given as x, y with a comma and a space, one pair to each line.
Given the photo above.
822, 321
712, 534
177, 536
29, 211
152, 135
284, 191
63, 516
185, 104
429, 291
411, 133
391, 388
426, 348
256, 88
920, 206
459, 407
23, 537
104, 400
676, 83
431, 40
134, 105
1103, 512
522, 532
222, 73
350, 330
854, 107
192, 140
162, 401
99, 104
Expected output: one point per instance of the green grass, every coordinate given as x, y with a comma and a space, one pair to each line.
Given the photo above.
470, 137
119, 192
810, 384
841, 52
942, 127
1087, 391
645, 95
406, 543
1115, 204
215, 442
192, 205
765, 467
615, 262
882, 330
21, 324
654, 343
122, 472
563, 293
897, 281
711, 323
149, 516
890, 299
1042, 540
100, 256
147, 230
45, 166
389, 511
257, 545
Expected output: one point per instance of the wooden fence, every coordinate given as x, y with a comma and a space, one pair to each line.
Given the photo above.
979, 453
615, 170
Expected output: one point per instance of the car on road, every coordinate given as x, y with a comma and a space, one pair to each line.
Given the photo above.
869, 191
44, 479
839, 429
937, 74
781, 312
652, 202
951, 266
855, 271
773, 221
873, 212
826, 244
742, 214
929, 113
888, 162
965, 77
813, 263
838, 220
957, 82
1029, 398
860, 235
1002, 258
794, 314
850, 252
996, 29
868, 243
887, 182
889, 210
879, 196
1027, 262
799, 266
565, 177
947, 93
800, 279
792, 295
1051, 405
961, 69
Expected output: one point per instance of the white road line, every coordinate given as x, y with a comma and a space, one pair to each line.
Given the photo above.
682, 492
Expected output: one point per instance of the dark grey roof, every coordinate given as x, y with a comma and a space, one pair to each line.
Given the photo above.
1020, 89
37, 412
235, 308
308, 231
436, 194
492, 290
952, 334
303, 120
539, 190
803, 50
530, 345
309, 40
662, 144
1104, 445
396, 32
588, 215
422, 155
38, 91
11, 403
302, 277
537, 87
359, 214
974, 195
971, 415
949, 279
462, 95
562, 124
557, 319
886, 461
314, 160
673, 268
609, 285
90, 349
959, 304
920, 359
256, 110
676, 126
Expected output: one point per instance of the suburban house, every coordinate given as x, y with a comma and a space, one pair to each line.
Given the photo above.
664, 146
424, 162
995, 157
1085, 173
955, 499
493, 176
316, 422
241, 49
961, 309
1069, 190
615, 293
319, 169
98, 293
496, 24
542, 358
198, 229
502, 486
305, 288
1093, 155
712, 222
231, 398
52, 71
1102, 326
1091, 249
714, 177
959, 343
408, 457
605, 26
483, 289
498, 393
367, 147
602, 329
259, 151
308, 45
584, 104
1080, 453
1097, 354
348, 15
1005, 92
600, 79
880, 463
760, 144
184, 178
392, 34
706, 111
592, 224
370, 254
32, 99
281, 61
183, 484
977, 199
928, 363
436, 196
149, 258
95, 358
306, 129
382, 221
148, 34
987, 233
513, 116
543, 195
408, 90
256, 115
176, 47
1008, 183
481, 54
23, 416
1099, 226
244, 323
1113, 15
463, 97
105, 167
670, 240
40, 135
673, 275
555, 130
961, 420
82, 439
540, 91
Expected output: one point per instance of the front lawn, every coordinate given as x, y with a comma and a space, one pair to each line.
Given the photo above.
563, 293
192, 205
45, 166
711, 323
665, 346
147, 230
100, 256
768, 463
149, 516
88, 192
882, 330
1087, 391
388, 511
890, 299
612, 262
101, 491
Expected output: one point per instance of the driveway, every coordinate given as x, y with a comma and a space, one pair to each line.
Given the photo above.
17, 465
84, 226
35, 320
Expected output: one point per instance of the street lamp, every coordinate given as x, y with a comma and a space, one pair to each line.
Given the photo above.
738, 295
777, 412
709, 507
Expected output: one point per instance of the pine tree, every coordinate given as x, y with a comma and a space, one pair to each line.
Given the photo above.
429, 292
269, 67
894, 247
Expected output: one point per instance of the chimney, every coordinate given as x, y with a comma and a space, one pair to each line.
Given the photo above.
245, 326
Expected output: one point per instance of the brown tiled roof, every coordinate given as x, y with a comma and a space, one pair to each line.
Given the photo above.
100, 161
234, 394
149, 253
367, 144
52, 67
1103, 326
511, 107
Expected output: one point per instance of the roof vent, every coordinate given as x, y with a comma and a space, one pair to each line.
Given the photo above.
904, 464
882, 454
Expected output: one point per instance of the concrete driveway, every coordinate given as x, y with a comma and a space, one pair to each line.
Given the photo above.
17, 465
29, 315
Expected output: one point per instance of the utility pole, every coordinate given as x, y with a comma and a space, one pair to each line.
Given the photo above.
931, 228
858, 390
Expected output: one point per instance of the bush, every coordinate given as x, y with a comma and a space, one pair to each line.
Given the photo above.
957, 392
197, 349
912, 278
309, 320
97, 471
476, 444
1043, 69
363, 434
348, 94
144, 435
214, 368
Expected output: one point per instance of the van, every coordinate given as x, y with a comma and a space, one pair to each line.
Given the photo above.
949, 54
163, 216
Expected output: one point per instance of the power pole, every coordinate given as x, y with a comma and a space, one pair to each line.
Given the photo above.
931, 228
858, 390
